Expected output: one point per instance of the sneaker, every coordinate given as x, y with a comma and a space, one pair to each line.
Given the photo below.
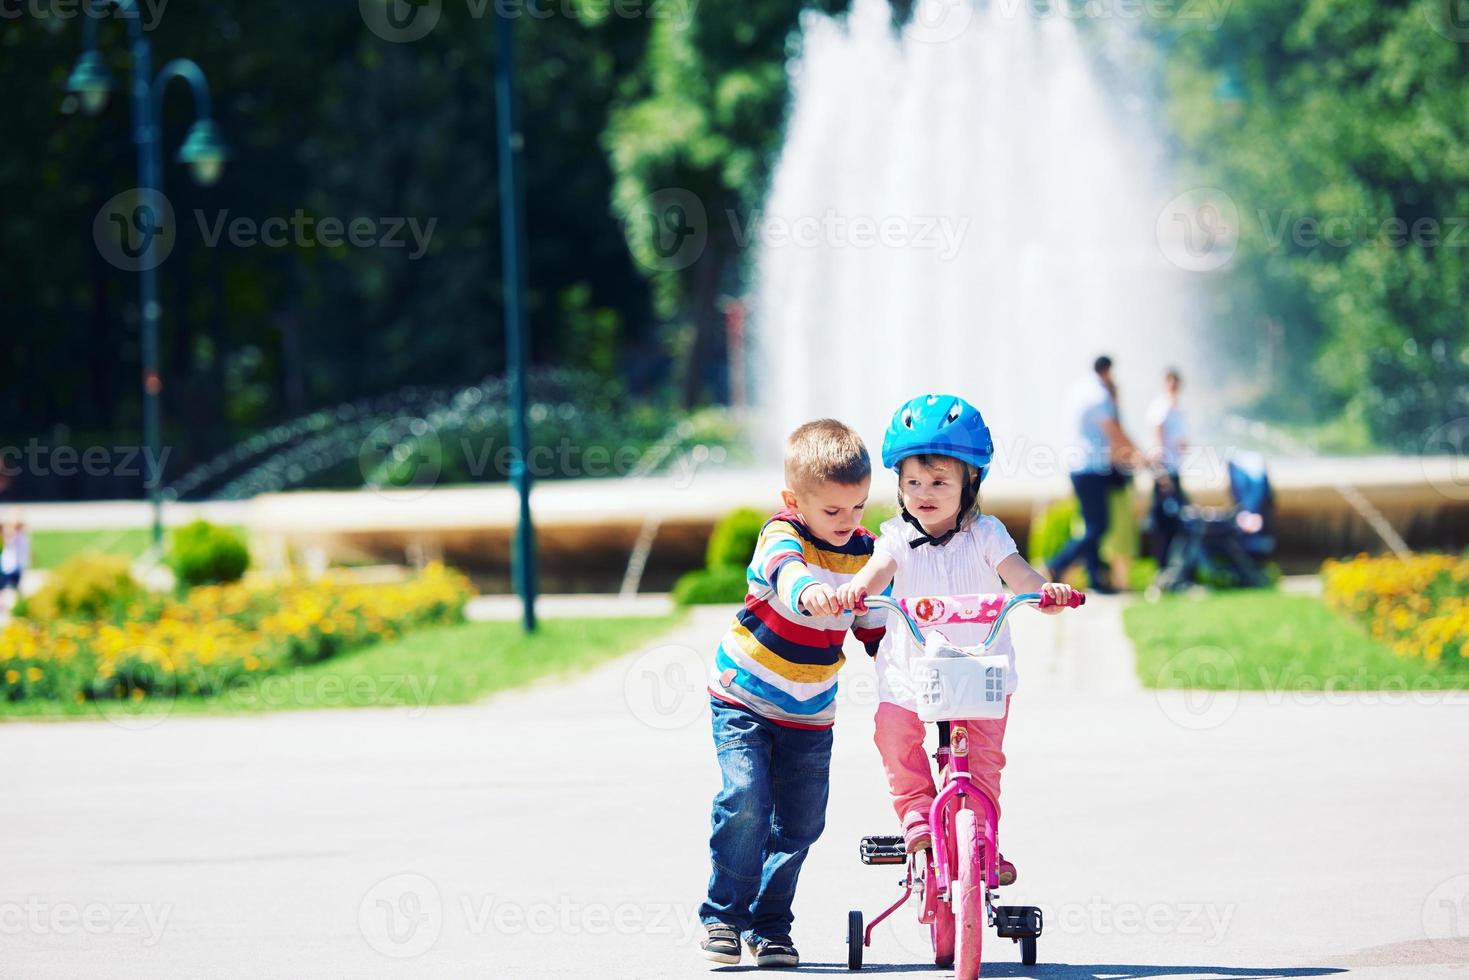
1005, 870
721, 943
774, 951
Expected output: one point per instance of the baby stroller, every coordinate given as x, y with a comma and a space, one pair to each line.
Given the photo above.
1226, 545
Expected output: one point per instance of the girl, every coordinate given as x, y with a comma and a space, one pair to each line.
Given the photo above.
939, 545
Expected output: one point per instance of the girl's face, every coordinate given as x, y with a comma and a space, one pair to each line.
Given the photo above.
931, 491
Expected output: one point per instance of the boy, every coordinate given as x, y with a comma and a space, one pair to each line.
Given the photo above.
773, 694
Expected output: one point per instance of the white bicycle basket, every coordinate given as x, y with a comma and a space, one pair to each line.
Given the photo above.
953, 685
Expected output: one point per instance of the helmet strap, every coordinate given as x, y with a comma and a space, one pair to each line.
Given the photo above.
966, 498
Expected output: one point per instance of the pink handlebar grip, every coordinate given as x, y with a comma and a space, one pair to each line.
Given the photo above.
1077, 599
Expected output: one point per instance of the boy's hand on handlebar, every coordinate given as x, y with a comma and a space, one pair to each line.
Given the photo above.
852, 596
1060, 594
820, 600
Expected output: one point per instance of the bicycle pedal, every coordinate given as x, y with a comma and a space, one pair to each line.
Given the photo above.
884, 849
1018, 921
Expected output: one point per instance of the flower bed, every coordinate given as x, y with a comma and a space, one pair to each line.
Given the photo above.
1418, 605
201, 644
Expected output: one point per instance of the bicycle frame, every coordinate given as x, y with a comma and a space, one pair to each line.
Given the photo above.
992, 610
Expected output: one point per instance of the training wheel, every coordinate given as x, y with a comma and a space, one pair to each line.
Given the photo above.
1027, 951
854, 940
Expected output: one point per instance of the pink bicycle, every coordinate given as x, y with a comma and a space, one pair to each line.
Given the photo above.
956, 881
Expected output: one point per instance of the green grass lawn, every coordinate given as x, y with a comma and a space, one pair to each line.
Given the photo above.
51, 548
438, 665
1269, 641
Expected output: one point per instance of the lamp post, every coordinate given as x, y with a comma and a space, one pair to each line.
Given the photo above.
512, 249
205, 153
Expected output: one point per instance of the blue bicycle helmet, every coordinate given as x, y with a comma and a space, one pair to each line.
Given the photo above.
943, 425
946, 425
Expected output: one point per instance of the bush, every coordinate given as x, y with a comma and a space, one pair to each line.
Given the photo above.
732, 542
90, 585
206, 554
711, 585
1051, 532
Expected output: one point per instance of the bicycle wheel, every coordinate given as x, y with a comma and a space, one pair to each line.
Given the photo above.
968, 895
942, 932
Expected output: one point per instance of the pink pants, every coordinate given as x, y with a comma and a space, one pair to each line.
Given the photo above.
899, 739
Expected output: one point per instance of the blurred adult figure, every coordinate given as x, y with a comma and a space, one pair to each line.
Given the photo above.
1100, 456
15, 554
1170, 443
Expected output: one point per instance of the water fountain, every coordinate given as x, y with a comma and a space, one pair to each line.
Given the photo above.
964, 205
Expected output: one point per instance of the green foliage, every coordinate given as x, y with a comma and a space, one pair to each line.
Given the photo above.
89, 585
1267, 641
204, 554
1345, 160
1050, 533
691, 145
876, 515
722, 584
732, 542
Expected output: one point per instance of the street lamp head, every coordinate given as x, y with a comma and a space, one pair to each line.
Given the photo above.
91, 81
205, 152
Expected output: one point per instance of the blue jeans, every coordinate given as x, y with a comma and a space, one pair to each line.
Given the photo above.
1091, 492
768, 813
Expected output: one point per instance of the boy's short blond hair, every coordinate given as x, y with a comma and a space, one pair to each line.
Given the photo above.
825, 451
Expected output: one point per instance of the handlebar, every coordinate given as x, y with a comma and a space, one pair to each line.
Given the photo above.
984, 603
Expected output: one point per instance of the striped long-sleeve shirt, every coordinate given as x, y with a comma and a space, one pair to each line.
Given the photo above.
776, 660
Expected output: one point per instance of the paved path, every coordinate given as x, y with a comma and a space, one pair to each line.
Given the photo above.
560, 832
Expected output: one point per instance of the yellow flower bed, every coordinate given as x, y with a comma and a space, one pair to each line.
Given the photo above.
1418, 605
219, 633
